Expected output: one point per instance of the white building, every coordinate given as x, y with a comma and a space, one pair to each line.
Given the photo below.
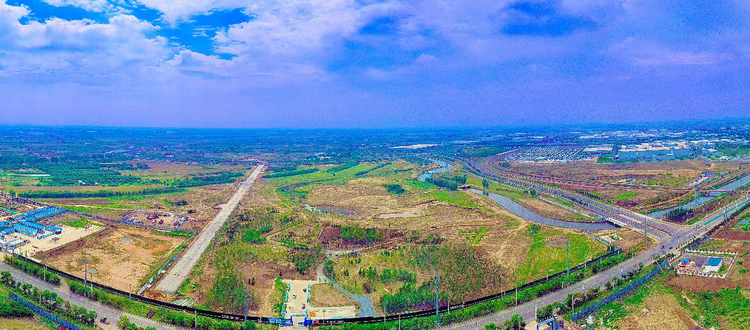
712, 265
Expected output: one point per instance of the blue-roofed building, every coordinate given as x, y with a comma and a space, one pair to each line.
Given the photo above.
713, 265
28, 231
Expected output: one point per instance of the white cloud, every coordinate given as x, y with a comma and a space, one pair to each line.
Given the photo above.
182, 10
90, 5
75, 49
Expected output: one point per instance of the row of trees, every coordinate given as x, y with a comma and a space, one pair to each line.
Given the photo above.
450, 183
98, 193
50, 300
33, 269
515, 322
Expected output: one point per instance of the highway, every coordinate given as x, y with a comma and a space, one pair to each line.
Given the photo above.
172, 281
620, 216
680, 237
103, 310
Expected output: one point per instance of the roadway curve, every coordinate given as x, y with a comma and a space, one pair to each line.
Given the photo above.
103, 310
618, 215
680, 237
172, 281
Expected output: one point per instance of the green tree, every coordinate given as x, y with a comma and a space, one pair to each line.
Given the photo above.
485, 184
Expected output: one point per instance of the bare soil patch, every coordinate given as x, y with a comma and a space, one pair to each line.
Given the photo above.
325, 295
661, 311
122, 256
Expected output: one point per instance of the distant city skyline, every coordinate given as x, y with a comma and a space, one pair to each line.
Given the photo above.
371, 64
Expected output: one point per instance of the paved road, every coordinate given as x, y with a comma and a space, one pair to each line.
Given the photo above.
103, 310
619, 215
172, 281
670, 244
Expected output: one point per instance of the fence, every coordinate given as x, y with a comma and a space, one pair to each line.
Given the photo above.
599, 238
599, 304
43, 312
263, 319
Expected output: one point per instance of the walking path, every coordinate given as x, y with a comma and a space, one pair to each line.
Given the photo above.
182, 268
366, 308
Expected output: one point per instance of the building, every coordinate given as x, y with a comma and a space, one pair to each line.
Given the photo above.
653, 151
712, 265
28, 231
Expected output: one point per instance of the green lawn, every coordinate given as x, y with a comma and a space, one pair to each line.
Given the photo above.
626, 196
80, 223
543, 258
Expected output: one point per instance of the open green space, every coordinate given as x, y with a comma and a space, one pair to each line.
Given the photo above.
548, 253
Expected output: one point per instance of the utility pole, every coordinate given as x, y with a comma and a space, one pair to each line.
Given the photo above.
567, 249
437, 298
245, 324
645, 236
85, 275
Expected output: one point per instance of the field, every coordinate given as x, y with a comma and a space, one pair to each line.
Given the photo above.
325, 295
122, 257
23, 324
378, 232
547, 254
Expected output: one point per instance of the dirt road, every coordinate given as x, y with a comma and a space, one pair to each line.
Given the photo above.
172, 281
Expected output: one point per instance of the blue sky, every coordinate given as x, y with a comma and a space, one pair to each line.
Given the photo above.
368, 63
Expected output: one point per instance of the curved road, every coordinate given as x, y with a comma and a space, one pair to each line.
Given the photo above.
671, 244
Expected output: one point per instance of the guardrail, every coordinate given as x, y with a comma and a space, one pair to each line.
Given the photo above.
268, 320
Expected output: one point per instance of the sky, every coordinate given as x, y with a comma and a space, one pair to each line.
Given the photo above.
371, 64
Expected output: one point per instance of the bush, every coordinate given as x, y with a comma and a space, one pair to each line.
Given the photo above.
11, 308
395, 189
254, 235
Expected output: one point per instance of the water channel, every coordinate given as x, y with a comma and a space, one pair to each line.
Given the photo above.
700, 200
522, 211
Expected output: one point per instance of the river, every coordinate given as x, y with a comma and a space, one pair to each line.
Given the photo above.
700, 200
527, 214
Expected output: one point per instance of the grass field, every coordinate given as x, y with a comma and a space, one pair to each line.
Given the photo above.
23, 324
547, 254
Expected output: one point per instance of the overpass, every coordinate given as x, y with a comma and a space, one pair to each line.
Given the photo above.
615, 214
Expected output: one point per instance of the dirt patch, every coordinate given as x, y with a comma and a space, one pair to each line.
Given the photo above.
325, 295
699, 284
122, 256
658, 312
734, 235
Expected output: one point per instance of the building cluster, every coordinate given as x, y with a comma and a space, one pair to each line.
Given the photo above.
27, 224
654, 151
545, 154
